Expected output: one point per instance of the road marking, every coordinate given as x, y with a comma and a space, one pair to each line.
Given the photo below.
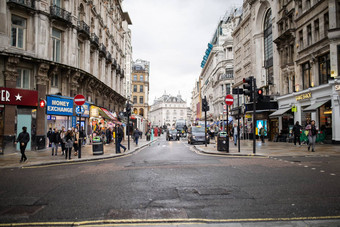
313, 168
306, 166
322, 171
333, 174
141, 222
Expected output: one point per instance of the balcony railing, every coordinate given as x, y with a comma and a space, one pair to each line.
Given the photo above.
118, 69
83, 27
95, 39
122, 73
114, 64
108, 57
60, 13
102, 50
25, 3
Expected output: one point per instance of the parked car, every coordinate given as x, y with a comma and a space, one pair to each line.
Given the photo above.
172, 134
196, 134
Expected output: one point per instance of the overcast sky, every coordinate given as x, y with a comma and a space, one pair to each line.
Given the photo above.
173, 36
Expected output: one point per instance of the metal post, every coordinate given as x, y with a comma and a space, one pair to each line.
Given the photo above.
254, 116
205, 123
128, 131
238, 120
116, 138
227, 121
79, 141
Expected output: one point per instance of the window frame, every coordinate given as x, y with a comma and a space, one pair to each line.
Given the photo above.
21, 78
55, 41
17, 28
141, 88
141, 99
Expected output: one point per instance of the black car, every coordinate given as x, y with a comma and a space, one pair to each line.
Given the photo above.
196, 134
172, 135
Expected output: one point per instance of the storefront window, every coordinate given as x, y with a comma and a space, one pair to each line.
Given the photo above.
306, 117
324, 69
325, 113
306, 75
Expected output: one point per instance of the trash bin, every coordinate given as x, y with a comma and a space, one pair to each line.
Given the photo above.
97, 145
223, 141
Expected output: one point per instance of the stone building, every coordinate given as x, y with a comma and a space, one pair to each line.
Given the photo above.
53, 50
140, 87
308, 41
167, 109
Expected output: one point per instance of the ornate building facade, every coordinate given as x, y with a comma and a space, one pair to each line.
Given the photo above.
55, 50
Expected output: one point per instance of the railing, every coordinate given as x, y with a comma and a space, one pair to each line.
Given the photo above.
56, 11
108, 57
114, 64
102, 48
27, 3
95, 38
118, 69
82, 26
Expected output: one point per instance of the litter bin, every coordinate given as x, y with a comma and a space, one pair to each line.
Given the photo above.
223, 141
97, 145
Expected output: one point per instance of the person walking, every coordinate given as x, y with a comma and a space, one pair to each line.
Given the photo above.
297, 132
235, 134
148, 135
62, 140
23, 140
262, 133
76, 142
55, 140
312, 133
120, 136
108, 135
136, 135
152, 134
69, 140
49, 134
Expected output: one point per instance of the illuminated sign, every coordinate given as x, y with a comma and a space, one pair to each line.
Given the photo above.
303, 96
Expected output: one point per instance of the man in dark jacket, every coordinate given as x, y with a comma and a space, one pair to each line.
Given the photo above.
23, 140
297, 132
55, 140
120, 136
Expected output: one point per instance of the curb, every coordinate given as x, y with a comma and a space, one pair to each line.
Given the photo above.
89, 159
228, 154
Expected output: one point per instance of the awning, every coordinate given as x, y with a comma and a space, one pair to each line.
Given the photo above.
279, 112
109, 114
314, 106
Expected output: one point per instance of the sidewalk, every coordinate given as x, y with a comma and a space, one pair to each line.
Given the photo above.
271, 149
44, 157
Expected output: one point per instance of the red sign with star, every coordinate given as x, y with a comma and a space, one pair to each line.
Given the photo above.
19, 97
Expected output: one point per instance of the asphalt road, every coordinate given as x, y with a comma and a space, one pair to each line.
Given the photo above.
169, 180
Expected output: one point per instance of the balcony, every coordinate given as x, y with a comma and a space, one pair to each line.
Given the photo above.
83, 28
102, 50
94, 40
118, 69
114, 64
23, 4
122, 73
60, 14
108, 57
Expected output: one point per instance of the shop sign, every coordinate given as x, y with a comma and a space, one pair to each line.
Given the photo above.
337, 87
94, 111
294, 109
86, 110
49, 117
19, 97
303, 96
59, 106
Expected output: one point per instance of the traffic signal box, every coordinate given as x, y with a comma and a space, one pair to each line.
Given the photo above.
248, 87
205, 106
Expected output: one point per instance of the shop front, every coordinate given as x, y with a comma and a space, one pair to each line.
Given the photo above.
18, 108
320, 104
101, 119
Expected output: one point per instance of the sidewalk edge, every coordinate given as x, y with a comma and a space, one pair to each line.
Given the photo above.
227, 154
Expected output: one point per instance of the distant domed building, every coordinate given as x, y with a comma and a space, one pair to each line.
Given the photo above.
167, 109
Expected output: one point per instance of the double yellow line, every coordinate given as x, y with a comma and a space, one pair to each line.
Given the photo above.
144, 222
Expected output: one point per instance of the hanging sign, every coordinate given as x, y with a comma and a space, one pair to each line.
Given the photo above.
19, 97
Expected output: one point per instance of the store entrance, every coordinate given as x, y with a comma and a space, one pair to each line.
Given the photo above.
325, 113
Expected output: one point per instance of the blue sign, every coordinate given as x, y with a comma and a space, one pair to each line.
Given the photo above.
86, 110
74, 121
80, 110
59, 106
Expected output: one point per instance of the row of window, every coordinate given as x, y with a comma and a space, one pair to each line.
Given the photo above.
135, 78
141, 88
24, 79
141, 99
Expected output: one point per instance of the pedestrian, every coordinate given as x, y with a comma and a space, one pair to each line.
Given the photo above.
69, 140
136, 135
152, 134
23, 140
49, 134
297, 132
108, 135
235, 134
62, 140
262, 133
120, 136
148, 135
55, 140
76, 143
312, 133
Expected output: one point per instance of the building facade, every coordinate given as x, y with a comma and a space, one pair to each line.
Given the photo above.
58, 48
167, 109
309, 45
140, 87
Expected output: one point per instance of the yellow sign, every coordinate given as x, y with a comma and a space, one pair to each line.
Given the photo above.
304, 96
294, 109
94, 111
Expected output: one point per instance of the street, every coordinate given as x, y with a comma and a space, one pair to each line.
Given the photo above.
170, 180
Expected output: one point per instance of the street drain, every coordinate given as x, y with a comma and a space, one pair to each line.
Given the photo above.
21, 211
148, 213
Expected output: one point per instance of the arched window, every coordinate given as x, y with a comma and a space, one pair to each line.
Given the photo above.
268, 40
141, 112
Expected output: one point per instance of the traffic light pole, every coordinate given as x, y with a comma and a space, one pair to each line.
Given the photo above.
205, 122
128, 130
238, 120
254, 115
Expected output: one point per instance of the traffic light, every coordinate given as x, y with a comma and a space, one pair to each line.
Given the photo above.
205, 106
128, 109
259, 94
248, 87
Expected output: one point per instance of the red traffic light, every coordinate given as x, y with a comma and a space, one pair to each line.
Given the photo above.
259, 91
42, 103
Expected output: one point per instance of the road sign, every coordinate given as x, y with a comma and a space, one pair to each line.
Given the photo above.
80, 110
79, 100
229, 100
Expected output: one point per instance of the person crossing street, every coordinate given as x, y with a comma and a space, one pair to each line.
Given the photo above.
23, 140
